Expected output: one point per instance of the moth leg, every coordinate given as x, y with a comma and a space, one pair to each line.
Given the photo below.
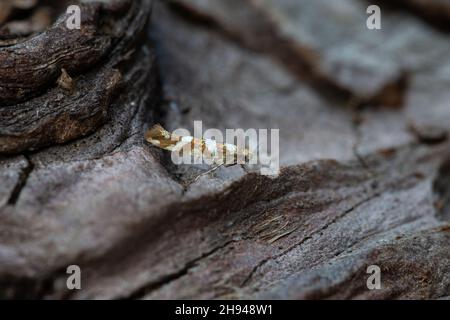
245, 168
213, 169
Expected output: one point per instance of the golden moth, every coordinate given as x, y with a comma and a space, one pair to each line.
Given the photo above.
216, 153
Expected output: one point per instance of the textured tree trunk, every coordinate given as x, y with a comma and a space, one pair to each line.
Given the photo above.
363, 118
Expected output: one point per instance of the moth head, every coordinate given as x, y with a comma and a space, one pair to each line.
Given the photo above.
156, 134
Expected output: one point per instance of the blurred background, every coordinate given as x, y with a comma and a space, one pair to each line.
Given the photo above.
310, 68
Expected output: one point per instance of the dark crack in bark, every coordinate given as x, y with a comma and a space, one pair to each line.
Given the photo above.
23, 178
441, 188
155, 285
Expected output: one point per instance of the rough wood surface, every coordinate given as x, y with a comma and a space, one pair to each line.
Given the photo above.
363, 118
90, 55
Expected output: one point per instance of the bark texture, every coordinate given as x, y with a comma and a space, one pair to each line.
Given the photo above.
363, 117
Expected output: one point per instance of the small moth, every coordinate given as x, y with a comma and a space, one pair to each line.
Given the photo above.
216, 153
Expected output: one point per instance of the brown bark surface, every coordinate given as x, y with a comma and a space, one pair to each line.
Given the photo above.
363, 117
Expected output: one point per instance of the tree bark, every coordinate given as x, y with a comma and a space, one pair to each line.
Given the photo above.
363, 118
